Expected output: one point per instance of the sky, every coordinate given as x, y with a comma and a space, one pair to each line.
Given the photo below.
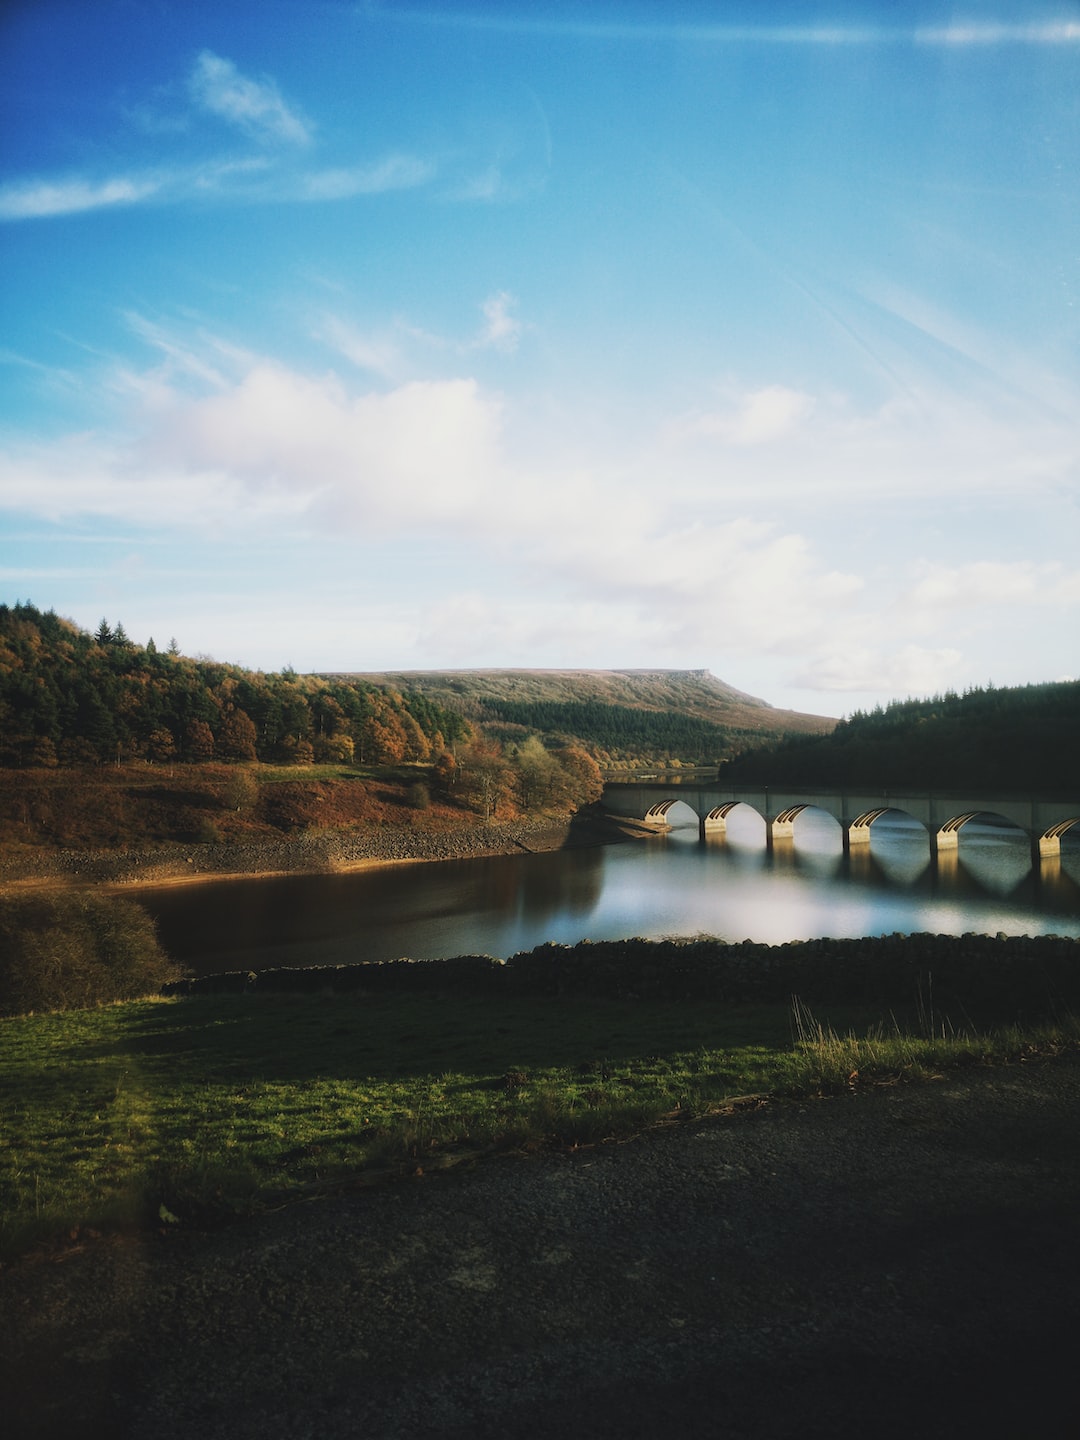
379, 336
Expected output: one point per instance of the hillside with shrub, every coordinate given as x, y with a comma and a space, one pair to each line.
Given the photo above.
1023, 738
626, 719
106, 744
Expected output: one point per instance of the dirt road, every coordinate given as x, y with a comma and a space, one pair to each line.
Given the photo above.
904, 1261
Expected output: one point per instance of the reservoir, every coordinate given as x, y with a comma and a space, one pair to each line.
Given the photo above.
670, 885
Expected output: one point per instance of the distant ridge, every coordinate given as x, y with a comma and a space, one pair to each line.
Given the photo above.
692, 692
617, 713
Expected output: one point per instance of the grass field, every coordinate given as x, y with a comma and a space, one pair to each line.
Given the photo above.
192, 1110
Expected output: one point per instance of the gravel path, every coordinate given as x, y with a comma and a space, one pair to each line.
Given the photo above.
902, 1260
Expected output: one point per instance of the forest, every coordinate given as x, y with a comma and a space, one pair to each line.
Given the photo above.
68, 697
615, 732
1016, 739
72, 699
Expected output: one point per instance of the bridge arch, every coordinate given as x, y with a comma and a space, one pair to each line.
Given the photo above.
858, 831
948, 834
716, 819
658, 814
1050, 839
943, 815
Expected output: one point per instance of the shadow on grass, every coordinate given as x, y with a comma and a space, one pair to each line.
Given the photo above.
291, 1039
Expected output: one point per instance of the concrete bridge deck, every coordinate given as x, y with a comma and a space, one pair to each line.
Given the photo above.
943, 813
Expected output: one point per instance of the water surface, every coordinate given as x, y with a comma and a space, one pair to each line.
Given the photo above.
670, 885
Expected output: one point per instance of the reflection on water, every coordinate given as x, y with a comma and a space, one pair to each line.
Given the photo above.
729, 886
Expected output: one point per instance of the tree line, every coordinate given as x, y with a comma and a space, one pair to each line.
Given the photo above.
618, 733
1022, 738
69, 697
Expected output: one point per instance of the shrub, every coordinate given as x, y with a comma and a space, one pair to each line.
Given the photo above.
241, 790
418, 796
71, 951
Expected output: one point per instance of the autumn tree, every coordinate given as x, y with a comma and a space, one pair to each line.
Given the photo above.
486, 779
160, 745
241, 792
580, 780
334, 749
383, 740
444, 772
236, 739
536, 772
198, 741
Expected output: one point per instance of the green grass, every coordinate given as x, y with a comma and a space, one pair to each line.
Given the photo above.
196, 1109
268, 772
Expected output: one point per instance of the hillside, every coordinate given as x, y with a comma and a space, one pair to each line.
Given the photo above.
622, 717
1020, 738
69, 697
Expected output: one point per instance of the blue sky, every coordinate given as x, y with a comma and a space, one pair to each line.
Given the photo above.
383, 336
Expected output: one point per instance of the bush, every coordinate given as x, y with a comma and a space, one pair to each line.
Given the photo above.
68, 952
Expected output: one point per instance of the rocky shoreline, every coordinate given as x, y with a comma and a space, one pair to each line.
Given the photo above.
312, 852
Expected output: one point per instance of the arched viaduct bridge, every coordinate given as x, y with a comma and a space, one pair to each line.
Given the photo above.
944, 814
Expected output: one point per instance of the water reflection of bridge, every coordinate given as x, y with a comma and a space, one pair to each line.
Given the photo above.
943, 814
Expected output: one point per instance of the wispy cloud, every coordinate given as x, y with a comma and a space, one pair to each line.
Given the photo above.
255, 106
181, 360
37, 199
395, 172
272, 173
403, 349
379, 353
249, 177
959, 33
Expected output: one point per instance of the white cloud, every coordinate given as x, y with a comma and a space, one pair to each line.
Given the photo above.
646, 555
277, 446
754, 418
988, 583
422, 452
502, 329
529, 626
37, 199
255, 106
916, 446
739, 584
912, 670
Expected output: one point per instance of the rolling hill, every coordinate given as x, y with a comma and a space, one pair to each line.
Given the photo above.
621, 716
